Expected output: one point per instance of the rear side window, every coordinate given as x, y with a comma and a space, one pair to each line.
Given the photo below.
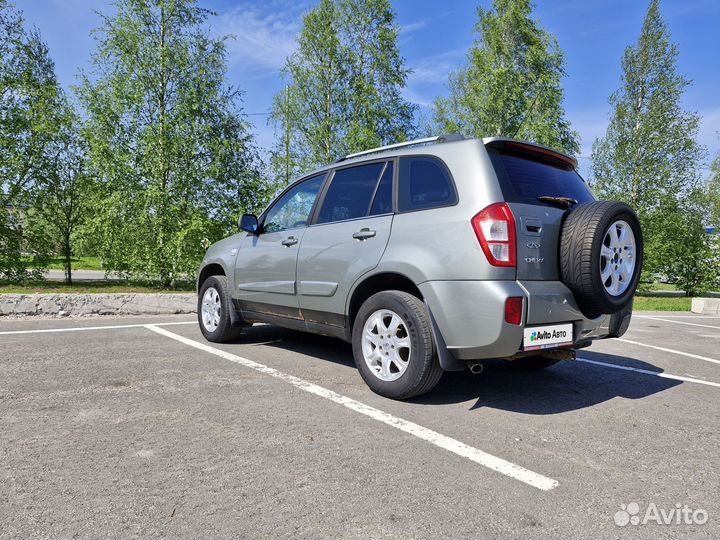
424, 183
350, 193
524, 179
382, 204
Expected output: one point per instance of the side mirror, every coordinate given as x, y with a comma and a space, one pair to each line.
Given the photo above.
249, 223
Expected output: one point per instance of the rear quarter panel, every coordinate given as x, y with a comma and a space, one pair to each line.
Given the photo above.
439, 243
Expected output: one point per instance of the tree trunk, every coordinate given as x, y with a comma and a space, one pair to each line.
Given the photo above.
67, 256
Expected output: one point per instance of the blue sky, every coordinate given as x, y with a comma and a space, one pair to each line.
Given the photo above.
434, 39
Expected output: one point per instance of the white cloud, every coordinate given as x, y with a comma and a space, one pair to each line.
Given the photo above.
413, 97
436, 68
413, 26
262, 37
709, 132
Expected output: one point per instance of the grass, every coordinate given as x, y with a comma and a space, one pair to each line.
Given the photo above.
52, 287
78, 263
659, 303
662, 287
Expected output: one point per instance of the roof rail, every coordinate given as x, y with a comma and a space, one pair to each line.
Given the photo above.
427, 140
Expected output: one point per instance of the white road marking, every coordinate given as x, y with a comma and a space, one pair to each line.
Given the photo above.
678, 322
673, 351
648, 372
452, 445
79, 328
685, 316
698, 316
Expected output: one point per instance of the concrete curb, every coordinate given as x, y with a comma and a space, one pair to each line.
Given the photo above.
706, 306
97, 304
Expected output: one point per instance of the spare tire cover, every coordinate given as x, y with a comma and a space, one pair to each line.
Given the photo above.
601, 255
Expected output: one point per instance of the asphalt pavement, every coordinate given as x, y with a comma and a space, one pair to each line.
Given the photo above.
139, 427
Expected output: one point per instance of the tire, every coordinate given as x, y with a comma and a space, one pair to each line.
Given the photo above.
585, 263
223, 330
421, 370
534, 363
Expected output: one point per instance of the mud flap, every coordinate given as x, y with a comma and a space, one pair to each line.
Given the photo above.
447, 361
620, 321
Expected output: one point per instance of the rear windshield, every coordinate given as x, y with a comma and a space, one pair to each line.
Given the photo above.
523, 179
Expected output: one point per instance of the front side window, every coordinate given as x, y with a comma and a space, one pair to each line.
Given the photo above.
293, 208
424, 182
350, 193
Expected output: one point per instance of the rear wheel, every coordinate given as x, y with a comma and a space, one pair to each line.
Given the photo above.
393, 346
214, 305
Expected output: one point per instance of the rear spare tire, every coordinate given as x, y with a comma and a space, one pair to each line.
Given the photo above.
601, 255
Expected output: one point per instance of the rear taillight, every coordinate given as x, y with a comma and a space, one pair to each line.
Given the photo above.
513, 310
495, 230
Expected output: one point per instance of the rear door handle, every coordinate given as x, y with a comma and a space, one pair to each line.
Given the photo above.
289, 241
364, 234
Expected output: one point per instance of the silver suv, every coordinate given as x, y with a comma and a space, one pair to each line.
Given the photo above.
432, 255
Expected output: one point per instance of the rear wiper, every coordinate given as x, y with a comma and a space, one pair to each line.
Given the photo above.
560, 202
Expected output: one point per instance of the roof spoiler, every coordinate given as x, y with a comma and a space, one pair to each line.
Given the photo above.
530, 148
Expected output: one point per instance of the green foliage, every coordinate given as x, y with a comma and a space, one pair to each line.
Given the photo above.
29, 123
512, 84
714, 192
62, 198
174, 158
693, 260
344, 91
649, 156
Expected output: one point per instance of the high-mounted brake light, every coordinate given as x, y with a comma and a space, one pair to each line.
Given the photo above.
532, 149
495, 230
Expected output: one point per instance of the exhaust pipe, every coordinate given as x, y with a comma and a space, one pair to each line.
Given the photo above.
475, 367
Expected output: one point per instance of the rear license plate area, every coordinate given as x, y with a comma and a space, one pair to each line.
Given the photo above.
547, 336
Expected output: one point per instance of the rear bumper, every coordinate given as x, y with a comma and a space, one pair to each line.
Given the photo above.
471, 315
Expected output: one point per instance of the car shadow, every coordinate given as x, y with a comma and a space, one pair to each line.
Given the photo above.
566, 386
322, 347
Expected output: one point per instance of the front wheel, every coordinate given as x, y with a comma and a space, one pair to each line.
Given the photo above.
393, 346
214, 305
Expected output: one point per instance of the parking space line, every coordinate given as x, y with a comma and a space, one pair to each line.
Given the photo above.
698, 316
490, 461
678, 322
648, 372
79, 328
673, 351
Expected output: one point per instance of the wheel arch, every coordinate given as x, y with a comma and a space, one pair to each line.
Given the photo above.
375, 283
207, 270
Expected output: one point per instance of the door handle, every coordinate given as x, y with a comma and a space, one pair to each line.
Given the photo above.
364, 234
289, 241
